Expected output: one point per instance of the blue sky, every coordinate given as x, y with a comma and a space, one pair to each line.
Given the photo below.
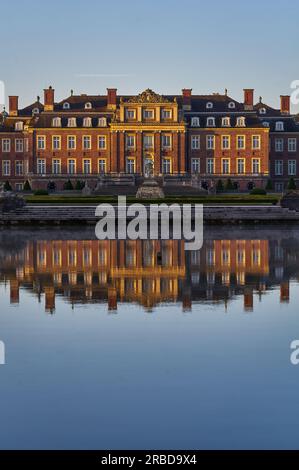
164, 45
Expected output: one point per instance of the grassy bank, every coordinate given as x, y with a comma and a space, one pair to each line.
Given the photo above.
236, 199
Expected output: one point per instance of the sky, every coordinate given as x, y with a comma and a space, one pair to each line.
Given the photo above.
166, 45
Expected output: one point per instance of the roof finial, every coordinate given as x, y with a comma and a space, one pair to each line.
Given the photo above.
38, 98
261, 99
225, 91
72, 92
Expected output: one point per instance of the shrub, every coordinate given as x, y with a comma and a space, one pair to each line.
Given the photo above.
258, 192
7, 186
51, 186
229, 185
68, 186
27, 186
79, 185
41, 192
291, 184
269, 185
219, 185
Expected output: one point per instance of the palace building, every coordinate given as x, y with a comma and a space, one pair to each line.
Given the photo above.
187, 140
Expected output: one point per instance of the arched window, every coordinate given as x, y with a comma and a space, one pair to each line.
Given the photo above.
266, 124
279, 126
195, 122
19, 126
56, 122
35, 111
241, 122
231, 105
71, 122
88, 105
226, 122
66, 105
210, 122
262, 110
102, 122
87, 122
209, 105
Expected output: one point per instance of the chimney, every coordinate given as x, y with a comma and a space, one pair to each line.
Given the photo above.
49, 99
187, 94
248, 98
13, 105
285, 104
111, 98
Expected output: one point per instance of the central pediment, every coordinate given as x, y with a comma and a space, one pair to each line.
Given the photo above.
148, 96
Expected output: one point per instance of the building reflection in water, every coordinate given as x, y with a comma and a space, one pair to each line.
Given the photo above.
148, 272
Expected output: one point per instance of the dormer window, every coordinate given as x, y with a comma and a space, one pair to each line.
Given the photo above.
88, 106
87, 122
262, 110
19, 126
56, 122
35, 111
72, 122
102, 122
209, 105
195, 122
210, 122
266, 124
226, 122
241, 122
279, 126
66, 105
231, 105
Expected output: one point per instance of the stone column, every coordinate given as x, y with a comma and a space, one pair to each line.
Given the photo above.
139, 159
182, 152
157, 163
122, 166
175, 160
113, 153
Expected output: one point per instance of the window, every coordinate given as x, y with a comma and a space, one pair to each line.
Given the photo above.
86, 142
279, 187
148, 114
56, 142
256, 142
210, 166
278, 145
166, 113
19, 126
226, 122
130, 141
195, 122
71, 166
6, 168
263, 111
131, 113
19, 186
148, 141
71, 122
278, 167
102, 166
225, 142
19, 168
66, 105
195, 142
56, 122
166, 141
166, 166
225, 166
19, 145
231, 105
266, 124
195, 165
86, 167
292, 144
102, 122
71, 142
210, 142
5, 145
41, 166
240, 166
241, 142
292, 170
41, 142
56, 167
88, 105
279, 126
130, 165
35, 111
210, 122
102, 142
241, 122
87, 122
209, 105
255, 165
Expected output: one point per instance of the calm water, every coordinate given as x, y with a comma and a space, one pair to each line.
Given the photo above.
142, 345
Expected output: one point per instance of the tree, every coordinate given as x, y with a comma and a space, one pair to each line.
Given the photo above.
229, 185
68, 186
79, 185
269, 185
291, 184
219, 186
27, 186
7, 186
